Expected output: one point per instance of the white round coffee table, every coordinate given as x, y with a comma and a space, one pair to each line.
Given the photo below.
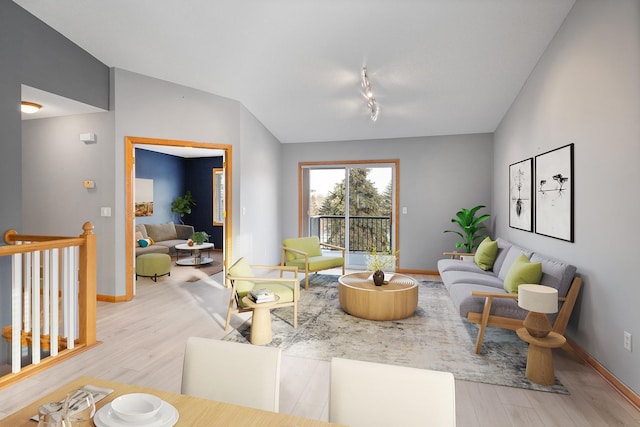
196, 257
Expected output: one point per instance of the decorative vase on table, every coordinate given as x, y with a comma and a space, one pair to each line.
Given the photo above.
378, 278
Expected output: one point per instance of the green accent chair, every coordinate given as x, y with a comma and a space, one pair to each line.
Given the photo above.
306, 254
241, 279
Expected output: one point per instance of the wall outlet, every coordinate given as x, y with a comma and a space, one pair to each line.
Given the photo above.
627, 341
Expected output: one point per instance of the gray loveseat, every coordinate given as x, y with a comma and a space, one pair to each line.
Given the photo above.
481, 298
165, 237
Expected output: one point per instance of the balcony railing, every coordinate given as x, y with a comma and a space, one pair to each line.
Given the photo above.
365, 232
53, 300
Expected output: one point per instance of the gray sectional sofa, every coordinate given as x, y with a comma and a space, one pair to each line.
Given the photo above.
475, 291
165, 237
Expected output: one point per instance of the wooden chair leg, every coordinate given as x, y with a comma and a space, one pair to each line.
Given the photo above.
226, 326
483, 323
295, 315
306, 280
229, 311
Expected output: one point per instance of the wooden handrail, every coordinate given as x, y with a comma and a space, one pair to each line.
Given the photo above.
86, 286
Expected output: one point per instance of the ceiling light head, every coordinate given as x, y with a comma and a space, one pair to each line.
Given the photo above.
375, 109
29, 107
367, 91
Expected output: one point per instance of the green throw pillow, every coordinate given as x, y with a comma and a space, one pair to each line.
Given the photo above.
522, 271
486, 254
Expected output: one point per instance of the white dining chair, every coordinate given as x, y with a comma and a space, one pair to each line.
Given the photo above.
365, 394
231, 372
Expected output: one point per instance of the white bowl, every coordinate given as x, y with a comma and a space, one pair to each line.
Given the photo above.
136, 407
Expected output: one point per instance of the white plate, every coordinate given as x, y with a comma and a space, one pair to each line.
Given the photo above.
166, 417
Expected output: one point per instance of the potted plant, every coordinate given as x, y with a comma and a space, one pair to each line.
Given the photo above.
182, 205
199, 237
378, 262
471, 227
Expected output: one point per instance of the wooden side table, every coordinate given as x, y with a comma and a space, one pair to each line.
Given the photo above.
260, 320
539, 358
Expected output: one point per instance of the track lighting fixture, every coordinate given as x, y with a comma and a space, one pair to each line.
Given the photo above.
367, 91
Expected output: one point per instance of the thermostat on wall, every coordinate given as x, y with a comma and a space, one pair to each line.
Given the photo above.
89, 184
88, 137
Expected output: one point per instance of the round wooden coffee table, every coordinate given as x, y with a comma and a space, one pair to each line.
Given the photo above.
361, 298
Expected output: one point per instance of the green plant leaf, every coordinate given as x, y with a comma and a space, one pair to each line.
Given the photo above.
471, 227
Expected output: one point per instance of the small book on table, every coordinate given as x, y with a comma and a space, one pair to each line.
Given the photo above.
261, 295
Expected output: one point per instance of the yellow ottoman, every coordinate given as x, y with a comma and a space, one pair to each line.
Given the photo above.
153, 265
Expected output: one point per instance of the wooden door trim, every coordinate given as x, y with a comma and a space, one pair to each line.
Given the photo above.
130, 142
346, 163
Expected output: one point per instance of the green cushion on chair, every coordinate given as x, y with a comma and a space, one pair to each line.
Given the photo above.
241, 268
310, 245
317, 263
283, 291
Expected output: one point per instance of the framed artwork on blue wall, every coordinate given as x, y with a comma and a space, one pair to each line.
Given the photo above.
144, 197
554, 193
521, 195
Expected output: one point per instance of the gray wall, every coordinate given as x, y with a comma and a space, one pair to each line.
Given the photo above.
438, 176
586, 90
152, 108
54, 165
260, 211
34, 54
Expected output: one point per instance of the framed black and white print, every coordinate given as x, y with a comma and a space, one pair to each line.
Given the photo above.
554, 193
521, 195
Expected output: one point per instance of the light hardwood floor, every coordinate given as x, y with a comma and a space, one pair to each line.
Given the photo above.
143, 343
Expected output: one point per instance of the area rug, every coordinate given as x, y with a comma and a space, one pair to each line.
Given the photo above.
435, 337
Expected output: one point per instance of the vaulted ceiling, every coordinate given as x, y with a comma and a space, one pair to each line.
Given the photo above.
437, 67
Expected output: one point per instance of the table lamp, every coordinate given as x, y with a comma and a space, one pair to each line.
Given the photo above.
539, 300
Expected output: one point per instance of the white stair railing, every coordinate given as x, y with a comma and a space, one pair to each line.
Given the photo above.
53, 299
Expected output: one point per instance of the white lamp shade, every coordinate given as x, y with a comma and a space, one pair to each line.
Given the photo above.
538, 298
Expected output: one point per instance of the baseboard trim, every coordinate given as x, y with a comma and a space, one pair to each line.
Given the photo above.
112, 298
618, 385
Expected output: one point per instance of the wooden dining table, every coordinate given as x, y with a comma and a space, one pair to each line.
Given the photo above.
193, 411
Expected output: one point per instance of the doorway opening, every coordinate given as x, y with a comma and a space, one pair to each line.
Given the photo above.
351, 204
130, 145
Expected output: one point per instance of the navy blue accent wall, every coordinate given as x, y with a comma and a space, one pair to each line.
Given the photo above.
172, 177
199, 180
167, 173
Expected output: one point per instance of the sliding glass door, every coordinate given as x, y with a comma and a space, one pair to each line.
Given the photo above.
350, 205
